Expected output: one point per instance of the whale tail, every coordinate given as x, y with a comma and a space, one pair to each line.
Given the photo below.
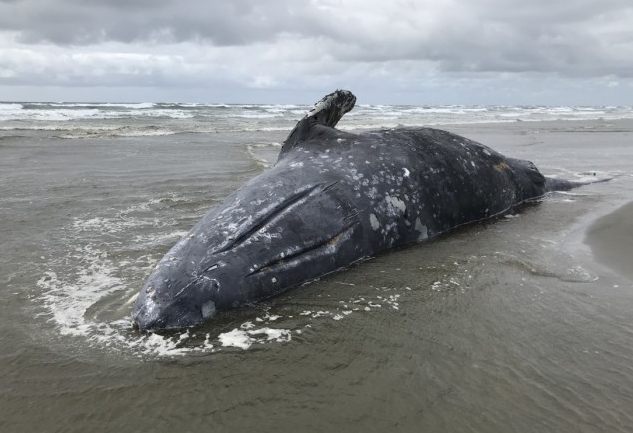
325, 113
555, 184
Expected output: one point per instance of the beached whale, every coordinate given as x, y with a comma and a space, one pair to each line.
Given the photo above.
332, 199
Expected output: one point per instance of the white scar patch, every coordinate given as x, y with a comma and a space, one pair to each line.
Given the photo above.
424, 233
374, 221
397, 203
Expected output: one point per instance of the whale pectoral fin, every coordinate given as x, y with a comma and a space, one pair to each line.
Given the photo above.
331, 108
324, 114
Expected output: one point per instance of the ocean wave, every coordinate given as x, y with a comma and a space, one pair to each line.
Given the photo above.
10, 107
82, 132
258, 115
95, 105
80, 120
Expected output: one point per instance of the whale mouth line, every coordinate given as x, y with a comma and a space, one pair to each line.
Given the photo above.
309, 252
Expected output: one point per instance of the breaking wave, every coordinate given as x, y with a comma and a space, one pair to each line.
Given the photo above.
81, 120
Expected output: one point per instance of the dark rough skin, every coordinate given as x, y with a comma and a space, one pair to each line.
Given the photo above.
333, 198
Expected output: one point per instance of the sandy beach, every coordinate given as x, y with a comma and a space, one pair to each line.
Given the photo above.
551, 144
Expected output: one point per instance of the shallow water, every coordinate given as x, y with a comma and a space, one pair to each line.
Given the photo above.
611, 239
509, 325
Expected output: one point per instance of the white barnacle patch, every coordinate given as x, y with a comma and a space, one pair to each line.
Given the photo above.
406, 172
420, 228
396, 203
375, 224
372, 192
273, 280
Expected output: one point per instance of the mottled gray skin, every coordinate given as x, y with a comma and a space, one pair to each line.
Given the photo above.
333, 198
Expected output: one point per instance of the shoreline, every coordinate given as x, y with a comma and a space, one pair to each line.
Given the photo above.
588, 124
552, 125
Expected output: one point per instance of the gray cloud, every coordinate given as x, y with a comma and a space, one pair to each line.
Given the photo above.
218, 22
471, 36
261, 44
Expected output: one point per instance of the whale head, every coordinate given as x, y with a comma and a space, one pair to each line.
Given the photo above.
244, 251
174, 298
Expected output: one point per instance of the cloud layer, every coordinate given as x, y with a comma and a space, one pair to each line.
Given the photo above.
406, 46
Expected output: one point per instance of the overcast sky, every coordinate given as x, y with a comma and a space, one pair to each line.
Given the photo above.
552, 52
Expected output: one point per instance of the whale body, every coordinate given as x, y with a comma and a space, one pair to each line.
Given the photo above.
333, 198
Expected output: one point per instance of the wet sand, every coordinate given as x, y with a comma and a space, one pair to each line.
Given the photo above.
611, 240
